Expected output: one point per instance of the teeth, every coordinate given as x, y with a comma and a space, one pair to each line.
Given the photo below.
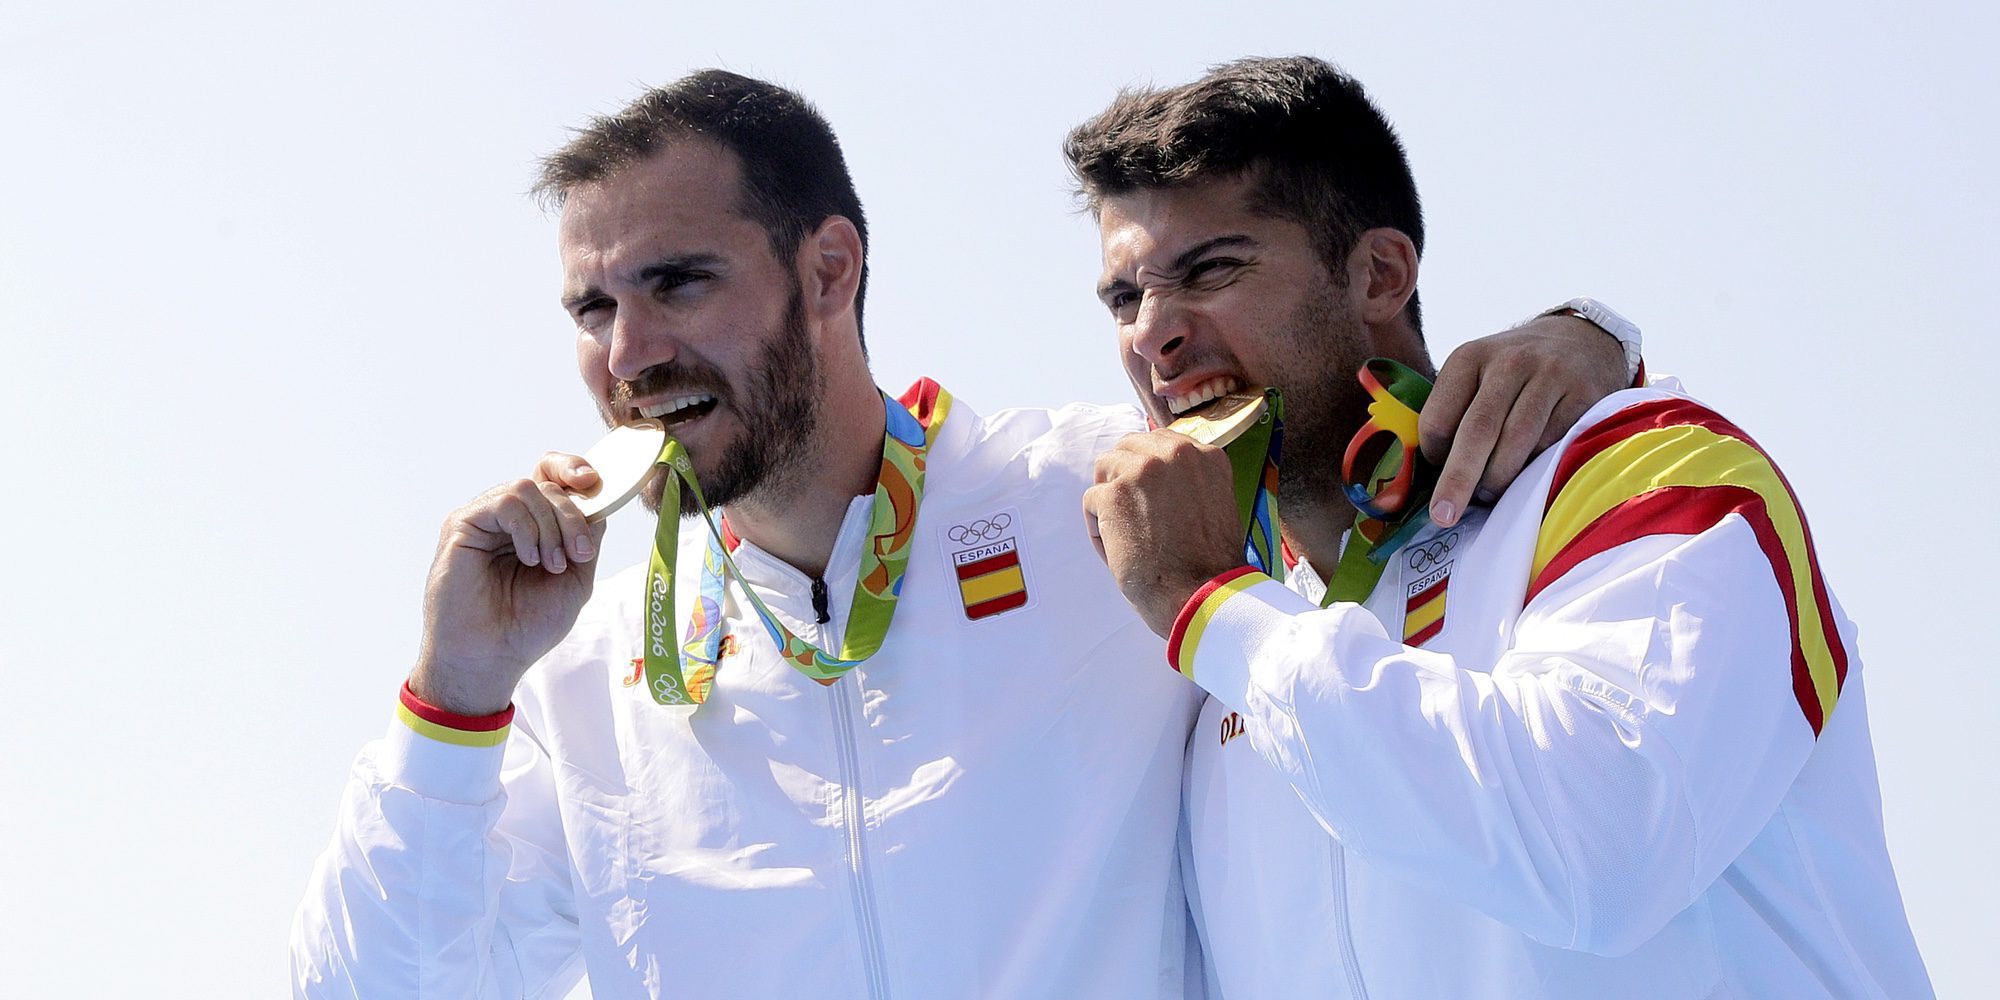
1221, 385
675, 405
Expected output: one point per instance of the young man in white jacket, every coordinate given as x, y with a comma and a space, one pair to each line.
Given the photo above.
976, 797
1605, 737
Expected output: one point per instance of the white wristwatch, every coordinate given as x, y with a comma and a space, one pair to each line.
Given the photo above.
1604, 318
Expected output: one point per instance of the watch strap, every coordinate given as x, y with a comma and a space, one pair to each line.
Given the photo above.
1607, 319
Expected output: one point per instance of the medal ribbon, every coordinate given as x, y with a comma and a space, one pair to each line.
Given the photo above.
1253, 466
684, 674
1393, 503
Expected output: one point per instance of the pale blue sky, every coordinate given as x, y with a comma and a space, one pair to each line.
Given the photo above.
272, 301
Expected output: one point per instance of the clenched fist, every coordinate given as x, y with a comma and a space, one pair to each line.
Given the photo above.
1163, 511
512, 571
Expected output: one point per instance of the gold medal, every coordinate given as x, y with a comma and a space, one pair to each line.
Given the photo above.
1249, 428
1224, 420
623, 459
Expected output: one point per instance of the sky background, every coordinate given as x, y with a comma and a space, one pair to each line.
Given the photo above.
272, 302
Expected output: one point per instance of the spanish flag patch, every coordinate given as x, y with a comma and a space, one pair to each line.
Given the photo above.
1673, 466
986, 558
1423, 613
1428, 561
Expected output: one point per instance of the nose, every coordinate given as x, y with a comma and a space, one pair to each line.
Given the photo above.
1160, 328
638, 341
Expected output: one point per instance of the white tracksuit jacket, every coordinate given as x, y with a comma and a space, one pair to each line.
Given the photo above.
1619, 786
985, 808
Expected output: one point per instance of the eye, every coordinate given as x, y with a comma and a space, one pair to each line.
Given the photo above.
591, 314
675, 280
1121, 301
1213, 271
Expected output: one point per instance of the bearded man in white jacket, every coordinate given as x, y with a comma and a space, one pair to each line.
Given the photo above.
1604, 737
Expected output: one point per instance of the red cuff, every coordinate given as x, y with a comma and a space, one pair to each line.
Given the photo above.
1639, 380
1194, 604
452, 720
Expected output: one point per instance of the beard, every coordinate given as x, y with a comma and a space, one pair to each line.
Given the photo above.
777, 402
1323, 346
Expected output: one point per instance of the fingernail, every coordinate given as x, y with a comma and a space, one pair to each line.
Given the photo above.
1444, 512
531, 557
556, 563
582, 547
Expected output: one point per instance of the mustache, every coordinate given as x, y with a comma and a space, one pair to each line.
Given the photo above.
671, 379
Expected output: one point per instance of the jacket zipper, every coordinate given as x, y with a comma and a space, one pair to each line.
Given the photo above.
1349, 961
857, 864
819, 601
842, 705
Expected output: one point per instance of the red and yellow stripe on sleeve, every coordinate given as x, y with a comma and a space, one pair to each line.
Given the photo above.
1193, 620
1673, 466
450, 727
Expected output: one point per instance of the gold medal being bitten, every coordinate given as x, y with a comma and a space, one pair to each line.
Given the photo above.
623, 459
1224, 420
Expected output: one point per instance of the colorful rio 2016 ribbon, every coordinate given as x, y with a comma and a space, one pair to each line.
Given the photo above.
1393, 500
899, 489
1253, 466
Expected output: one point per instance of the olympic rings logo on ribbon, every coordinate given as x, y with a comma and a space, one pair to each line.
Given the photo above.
984, 529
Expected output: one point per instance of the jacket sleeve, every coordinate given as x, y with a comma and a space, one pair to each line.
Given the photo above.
1651, 706
447, 875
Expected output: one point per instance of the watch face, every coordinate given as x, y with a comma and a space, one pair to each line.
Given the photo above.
1598, 313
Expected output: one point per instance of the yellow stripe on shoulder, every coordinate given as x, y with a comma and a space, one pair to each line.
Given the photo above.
1652, 459
1674, 467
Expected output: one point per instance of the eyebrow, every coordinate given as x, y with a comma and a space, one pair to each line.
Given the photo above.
1184, 260
664, 267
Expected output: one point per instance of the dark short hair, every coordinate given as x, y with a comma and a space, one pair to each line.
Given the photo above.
1324, 156
794, 176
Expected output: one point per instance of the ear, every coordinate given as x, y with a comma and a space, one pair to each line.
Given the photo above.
1382, 269
830, 268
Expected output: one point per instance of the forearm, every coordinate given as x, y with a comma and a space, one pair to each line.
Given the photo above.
1488, 789
429, 886
1638, 730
